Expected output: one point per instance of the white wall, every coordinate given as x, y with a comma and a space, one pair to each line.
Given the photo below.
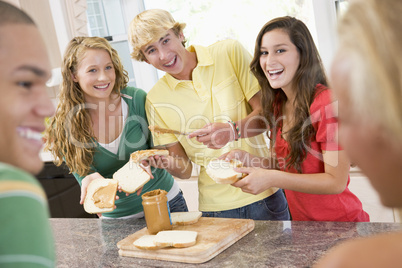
324, 13
325, 22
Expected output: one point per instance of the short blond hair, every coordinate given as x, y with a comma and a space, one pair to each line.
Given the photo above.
149, 26
370, 36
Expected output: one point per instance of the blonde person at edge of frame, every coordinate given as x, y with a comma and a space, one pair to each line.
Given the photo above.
207, 91
100, 121
366, 77
311, 167
26, 238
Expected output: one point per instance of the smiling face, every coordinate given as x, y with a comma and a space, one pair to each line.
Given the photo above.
24, 102
279, 59
366, 142
169, 55
96, 75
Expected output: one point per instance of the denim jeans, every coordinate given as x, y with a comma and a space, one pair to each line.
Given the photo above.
274, 207
178, 203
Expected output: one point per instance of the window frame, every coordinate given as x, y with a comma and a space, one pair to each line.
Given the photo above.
146, 75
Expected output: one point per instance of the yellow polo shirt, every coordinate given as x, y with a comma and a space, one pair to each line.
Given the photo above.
220, 90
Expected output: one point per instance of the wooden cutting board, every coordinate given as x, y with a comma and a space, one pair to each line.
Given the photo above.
214, 236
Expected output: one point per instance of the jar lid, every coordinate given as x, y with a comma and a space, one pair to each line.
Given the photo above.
154, 194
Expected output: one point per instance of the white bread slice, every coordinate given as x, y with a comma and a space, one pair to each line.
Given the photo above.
146, 242
138, 156
131, 177
222, 172
185, 218
177, 239
100, 197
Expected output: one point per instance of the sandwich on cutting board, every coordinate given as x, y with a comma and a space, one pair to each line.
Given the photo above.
176, 239
101, 193
222, 171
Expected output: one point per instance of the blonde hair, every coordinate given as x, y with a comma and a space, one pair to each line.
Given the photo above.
370, 35
149, 26
69, 135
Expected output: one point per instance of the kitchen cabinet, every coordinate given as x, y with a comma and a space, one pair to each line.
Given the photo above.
63, 192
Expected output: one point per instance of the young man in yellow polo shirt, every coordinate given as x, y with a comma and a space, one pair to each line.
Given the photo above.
210, 92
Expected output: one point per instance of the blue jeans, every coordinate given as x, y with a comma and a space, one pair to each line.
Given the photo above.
178, 203
274, 208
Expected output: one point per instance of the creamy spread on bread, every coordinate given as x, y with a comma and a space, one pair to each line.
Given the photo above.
235, 163
102, 196
144, 154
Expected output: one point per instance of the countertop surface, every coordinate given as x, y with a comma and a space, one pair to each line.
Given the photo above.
92, 243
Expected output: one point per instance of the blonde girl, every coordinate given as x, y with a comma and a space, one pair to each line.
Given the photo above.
100, 121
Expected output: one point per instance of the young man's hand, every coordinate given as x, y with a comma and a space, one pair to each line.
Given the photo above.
215, 135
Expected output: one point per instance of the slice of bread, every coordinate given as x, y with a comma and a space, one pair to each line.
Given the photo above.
177, 239
131, 177
100, 197
185, 218
146, 242
222, 172
138, 156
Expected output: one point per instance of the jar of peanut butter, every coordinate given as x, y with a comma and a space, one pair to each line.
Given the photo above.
156, 210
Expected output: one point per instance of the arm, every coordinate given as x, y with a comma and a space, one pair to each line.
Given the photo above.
254, 123
365, 252
177, 163
332, 181
217, 135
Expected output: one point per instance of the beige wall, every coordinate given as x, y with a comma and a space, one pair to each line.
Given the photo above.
14, 2
40, 12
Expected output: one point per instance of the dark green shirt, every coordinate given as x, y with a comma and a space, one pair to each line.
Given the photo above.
135, 136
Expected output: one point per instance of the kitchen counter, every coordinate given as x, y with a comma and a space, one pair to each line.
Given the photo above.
92, 243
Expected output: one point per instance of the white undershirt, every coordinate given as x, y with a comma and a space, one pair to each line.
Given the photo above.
114, 145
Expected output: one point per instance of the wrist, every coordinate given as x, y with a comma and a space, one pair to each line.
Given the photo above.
236, 130
232, 132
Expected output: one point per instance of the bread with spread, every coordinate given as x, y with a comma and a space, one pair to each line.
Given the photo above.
222, 171
138, 156
131, 177
100, 197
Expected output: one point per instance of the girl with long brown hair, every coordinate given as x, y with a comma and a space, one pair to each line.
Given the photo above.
306, 160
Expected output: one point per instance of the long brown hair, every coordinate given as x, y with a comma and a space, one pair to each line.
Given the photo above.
309, 73
69, 135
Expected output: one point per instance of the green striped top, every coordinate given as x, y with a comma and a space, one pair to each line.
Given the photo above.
26, 238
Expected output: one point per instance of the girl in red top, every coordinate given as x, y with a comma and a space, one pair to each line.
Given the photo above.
307, 161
